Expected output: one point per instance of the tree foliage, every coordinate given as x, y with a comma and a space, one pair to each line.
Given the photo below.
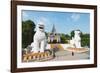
27, 32
63, 38
85, 40
67, 37
72, 33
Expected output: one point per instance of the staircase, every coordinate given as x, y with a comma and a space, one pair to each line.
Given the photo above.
57, 46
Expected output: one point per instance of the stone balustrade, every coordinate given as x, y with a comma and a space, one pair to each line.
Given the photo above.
41, 56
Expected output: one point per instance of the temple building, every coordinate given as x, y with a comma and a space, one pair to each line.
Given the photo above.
53, 36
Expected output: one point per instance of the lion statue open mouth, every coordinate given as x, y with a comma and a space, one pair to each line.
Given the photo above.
39, 44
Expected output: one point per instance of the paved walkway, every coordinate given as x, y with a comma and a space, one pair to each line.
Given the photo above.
62, 54
65, 55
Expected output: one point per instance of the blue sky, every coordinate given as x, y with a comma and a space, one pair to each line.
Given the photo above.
64, 22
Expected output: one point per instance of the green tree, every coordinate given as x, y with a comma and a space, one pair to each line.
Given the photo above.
72, 33
67, 37
27, 32
85, 39
63, 38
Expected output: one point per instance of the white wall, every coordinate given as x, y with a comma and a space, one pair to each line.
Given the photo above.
5, 36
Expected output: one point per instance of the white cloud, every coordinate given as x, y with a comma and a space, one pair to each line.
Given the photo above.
75, 17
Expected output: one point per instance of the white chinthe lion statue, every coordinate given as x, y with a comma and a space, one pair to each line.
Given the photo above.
39, 44
76, 40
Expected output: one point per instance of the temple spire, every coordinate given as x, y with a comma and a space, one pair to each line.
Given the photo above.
53, 29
